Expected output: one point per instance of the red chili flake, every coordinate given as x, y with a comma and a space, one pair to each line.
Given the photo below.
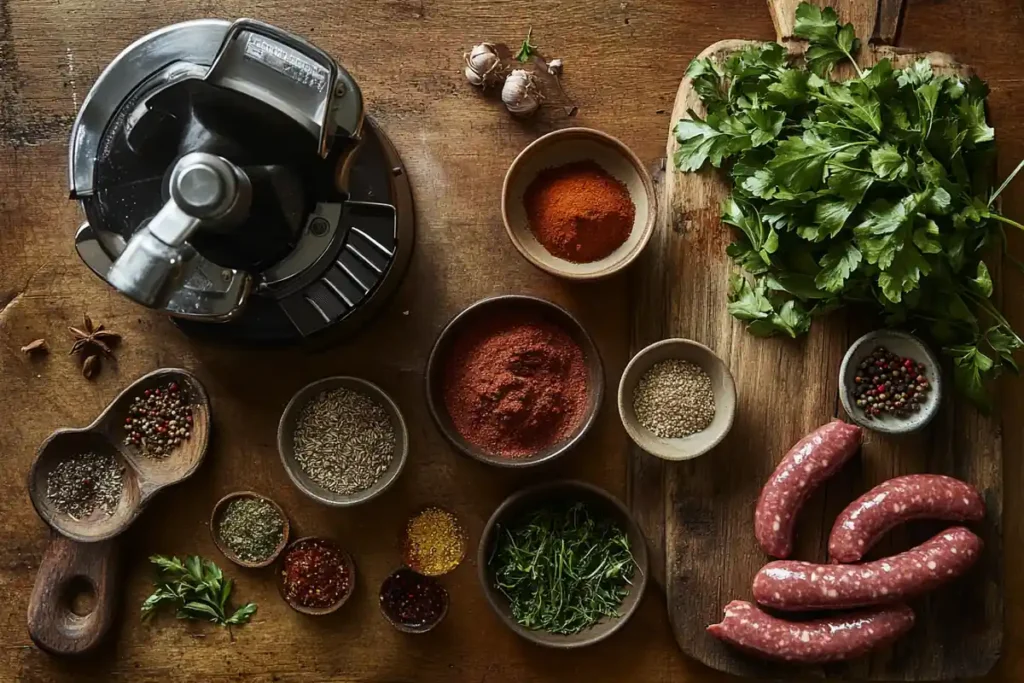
315, 574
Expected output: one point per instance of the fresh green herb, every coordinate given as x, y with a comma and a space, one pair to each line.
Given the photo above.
561, 569
527, 49
197, 589
875, 190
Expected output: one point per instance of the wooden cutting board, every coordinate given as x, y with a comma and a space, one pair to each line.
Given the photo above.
699, 515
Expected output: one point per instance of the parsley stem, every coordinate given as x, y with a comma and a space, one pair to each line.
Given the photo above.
1004, 219
860, 74
1005, 183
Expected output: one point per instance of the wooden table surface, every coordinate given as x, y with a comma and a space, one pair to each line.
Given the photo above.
623, 63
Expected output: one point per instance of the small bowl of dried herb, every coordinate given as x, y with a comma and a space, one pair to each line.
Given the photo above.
316, 576
343, 440
563, 564
249, 529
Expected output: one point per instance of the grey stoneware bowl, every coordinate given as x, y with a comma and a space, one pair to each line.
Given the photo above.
687, 447
286, 447
906, 346
482, 310
317, 611
566, 146
600, 502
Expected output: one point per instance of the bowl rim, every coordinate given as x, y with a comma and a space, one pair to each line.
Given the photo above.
434, 364
646, 231
218, 510
660, 450
640, 556
375, 391
318, 611
884, 428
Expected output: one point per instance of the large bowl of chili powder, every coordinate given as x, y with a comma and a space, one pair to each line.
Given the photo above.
514, 381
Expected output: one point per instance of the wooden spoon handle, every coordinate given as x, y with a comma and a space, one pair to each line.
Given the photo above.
875, 19
62, 617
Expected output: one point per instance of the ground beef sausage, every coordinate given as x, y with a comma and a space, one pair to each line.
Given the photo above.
815, 458
916, 496
802, 586
831, 639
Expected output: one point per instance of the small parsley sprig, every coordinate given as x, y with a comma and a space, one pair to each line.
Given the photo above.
876, 190
197, 589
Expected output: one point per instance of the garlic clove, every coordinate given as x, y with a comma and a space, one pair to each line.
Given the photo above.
555, 67
473, 77
520, 93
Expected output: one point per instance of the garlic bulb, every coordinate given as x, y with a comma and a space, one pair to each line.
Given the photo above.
483, 66
520, 93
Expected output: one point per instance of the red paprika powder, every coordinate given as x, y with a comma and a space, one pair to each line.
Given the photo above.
515, 385
579, 212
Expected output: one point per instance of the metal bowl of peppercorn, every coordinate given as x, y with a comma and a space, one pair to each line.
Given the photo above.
890, 382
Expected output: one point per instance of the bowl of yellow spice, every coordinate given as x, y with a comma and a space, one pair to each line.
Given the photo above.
433, 541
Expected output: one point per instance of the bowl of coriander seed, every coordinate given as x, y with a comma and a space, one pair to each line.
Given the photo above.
677, 399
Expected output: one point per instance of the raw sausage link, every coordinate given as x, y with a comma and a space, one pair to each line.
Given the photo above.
801, 586
916, 496
832, 639
815, 458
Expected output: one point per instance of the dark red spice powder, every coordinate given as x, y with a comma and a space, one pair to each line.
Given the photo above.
579, 212
413, 599
515, 384
315, 574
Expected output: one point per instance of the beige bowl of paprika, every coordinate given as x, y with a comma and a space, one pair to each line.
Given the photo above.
514, 381
578, 203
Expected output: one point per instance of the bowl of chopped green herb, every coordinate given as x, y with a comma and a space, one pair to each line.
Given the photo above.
249, 529
563, 564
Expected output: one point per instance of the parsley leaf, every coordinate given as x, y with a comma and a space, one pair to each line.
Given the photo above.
874, 190
527, 49
196, 588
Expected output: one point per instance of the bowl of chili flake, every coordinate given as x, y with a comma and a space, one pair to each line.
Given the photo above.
316, 576
579, 204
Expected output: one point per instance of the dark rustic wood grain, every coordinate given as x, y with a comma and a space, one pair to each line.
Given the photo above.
623, 62
75, 597
785, 389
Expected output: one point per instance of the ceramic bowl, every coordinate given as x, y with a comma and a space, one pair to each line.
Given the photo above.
482, 310
600, 502
285, 444
143, 476
566, 146
218, 513
906, 346
317, 611
406, 628
687, 447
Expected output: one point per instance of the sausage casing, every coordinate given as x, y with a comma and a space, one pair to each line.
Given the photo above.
814, 458
802, 586
830, 639
899, 500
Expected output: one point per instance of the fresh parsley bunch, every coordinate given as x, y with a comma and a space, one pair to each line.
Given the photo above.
197, 589
875, 190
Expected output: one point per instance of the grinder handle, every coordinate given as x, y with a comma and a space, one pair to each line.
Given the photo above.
69, 568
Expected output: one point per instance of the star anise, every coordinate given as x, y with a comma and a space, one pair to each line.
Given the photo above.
93, 339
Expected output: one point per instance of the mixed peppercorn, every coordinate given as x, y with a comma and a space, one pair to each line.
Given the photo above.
159, 420
888, 384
